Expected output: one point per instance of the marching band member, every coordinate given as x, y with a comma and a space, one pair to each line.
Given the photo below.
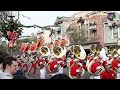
109, 57
53, 66
41, 66
61, 62
108, 73
89, 59
20, 63
76, 70
71, 60
25, 59
116, 64
95, 68
33, 64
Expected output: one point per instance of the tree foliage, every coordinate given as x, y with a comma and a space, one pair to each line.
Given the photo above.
77, 36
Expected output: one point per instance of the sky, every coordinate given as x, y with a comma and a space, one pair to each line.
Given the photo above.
41, 18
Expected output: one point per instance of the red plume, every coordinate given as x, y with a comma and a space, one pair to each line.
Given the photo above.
56, 43
27, 46
49, 45
63, 42
40, 42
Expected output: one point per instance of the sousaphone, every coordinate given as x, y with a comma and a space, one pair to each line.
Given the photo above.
44, 50
58, 52
78, 51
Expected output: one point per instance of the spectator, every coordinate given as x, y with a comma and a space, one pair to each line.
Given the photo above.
9, 67
2, 56
19, 77
60, 76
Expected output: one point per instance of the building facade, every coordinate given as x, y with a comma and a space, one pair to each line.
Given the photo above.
63, 23
94, 26
112, 31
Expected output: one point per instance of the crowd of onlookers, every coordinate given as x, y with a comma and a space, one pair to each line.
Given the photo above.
9, 69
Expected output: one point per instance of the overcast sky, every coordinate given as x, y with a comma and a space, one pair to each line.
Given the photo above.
41, 18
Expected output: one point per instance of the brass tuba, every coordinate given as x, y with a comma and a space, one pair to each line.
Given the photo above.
44, 50
79, 52
57, 51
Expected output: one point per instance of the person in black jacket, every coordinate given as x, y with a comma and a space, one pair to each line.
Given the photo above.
60, 76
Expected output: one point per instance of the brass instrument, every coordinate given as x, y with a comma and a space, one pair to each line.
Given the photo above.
57, 51
78, 51
44, 50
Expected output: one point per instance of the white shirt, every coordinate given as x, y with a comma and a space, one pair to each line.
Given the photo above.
7, 76
1, 73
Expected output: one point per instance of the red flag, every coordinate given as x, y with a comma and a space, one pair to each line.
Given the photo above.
33, 47
22, 47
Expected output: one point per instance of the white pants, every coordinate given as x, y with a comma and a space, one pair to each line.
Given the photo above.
61, 70
42, 73
95, 77
118, 76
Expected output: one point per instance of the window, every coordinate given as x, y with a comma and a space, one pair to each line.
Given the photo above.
94, 33
58, 32
59, 38
115, 32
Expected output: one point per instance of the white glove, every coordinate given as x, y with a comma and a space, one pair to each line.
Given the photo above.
55, 66
80, 64
98, 67
118, 65
40, 62
59, 62
77, 70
